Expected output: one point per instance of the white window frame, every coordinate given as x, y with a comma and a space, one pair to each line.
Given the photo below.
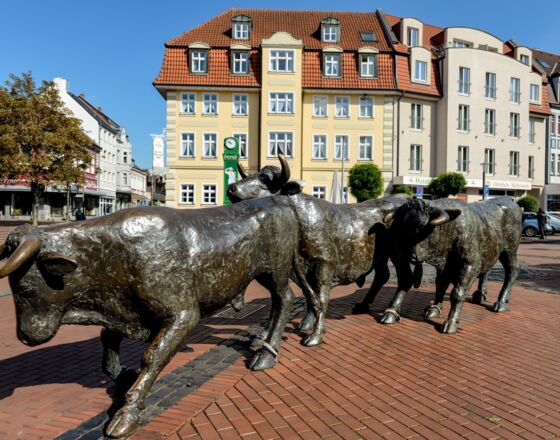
199, 61
534, 93
364, 108
463, 118
413, 36
514, 90
240, 62
415, 158
490, 153
320, 106
332, 64
416, 120
531, 167
532, 131
274, 143
514, 125
524, 59
368, 65
363, 147
464, 80
342, 107
330, 33
207, 144
463, 159
319, 146
552, 164
188, 100
187, 190
242, 138
278, 99
418, 71
209, 191
240, 105
319, 192
192, 144
490, 85
343, 149
490, 121
209, 99
279, 57
241, 31
514, 164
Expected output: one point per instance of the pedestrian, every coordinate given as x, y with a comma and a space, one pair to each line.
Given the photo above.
541, 220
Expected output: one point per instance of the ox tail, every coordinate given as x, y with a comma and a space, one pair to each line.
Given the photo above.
26, 250
361, 281
418, 272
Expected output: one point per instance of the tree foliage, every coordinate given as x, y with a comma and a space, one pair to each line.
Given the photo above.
528, 203
446, 184
402, 189
39, 141
365, 181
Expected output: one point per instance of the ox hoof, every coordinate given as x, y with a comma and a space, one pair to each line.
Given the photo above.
312, 340
123, 423
262, 360
449, 326
432, 312
499, 307
478, 297
306, 323
360, 308
126, 378
390, 317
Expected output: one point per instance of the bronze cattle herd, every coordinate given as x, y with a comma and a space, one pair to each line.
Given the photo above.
150, 273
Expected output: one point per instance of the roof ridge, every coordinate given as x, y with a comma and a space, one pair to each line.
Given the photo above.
200, 25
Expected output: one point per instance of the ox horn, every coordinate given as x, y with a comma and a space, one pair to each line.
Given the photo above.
242, 171
285, 169
441, 219
26, 250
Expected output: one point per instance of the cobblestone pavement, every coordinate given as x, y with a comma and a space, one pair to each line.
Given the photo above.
496, 378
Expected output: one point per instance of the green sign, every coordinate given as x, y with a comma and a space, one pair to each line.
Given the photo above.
231, 158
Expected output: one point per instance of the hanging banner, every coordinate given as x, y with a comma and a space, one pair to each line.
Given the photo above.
231, 158
158, 146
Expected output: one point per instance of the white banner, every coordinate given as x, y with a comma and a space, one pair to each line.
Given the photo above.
158, 146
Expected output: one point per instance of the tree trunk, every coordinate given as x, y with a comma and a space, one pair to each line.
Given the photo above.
68, 202
36, 191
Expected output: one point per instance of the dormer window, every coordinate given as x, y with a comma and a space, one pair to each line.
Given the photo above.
240, 62
524, 59
241, 28
330, 30
331, 64
199, 61
413, 35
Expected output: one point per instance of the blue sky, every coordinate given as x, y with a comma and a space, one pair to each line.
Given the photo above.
112, 50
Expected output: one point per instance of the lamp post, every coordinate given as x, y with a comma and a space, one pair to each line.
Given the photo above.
484, 165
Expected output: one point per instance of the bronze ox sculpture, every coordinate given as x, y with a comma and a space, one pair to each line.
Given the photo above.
462, 241
335, 247
150, 274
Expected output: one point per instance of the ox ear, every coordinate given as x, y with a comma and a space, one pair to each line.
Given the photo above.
377, 228
291, 189
57, 264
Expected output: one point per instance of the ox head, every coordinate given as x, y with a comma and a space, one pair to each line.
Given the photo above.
414, 221
269, 181
37, 282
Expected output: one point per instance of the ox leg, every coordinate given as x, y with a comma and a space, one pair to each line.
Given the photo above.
382, 275
479, 296
458, 295
282, 303
161, 349
316, 336
310, 317
122, 376
442, 283
511, 270
405, 280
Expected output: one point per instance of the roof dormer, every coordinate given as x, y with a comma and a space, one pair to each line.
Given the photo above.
241, 27
412, 32
330, 30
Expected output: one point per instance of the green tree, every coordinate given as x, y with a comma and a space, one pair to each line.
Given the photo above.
528, 203
445, 184
402, 189
365, 181
39, 141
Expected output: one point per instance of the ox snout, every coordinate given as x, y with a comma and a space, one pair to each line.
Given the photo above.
233, 193
37, 332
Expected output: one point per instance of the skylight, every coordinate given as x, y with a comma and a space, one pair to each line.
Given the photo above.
543, 63
368, 36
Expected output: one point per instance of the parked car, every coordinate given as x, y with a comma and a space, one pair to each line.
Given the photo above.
554, 222
530, 227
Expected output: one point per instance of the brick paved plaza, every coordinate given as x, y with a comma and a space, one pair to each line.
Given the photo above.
498, 377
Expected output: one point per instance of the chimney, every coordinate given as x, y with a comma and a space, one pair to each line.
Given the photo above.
82, 96
99, 109
61, 84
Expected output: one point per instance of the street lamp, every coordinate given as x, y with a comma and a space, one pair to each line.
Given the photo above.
484, 165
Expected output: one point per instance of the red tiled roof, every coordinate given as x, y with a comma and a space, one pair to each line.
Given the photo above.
313, 76
404, 83
428, 35
302, 25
